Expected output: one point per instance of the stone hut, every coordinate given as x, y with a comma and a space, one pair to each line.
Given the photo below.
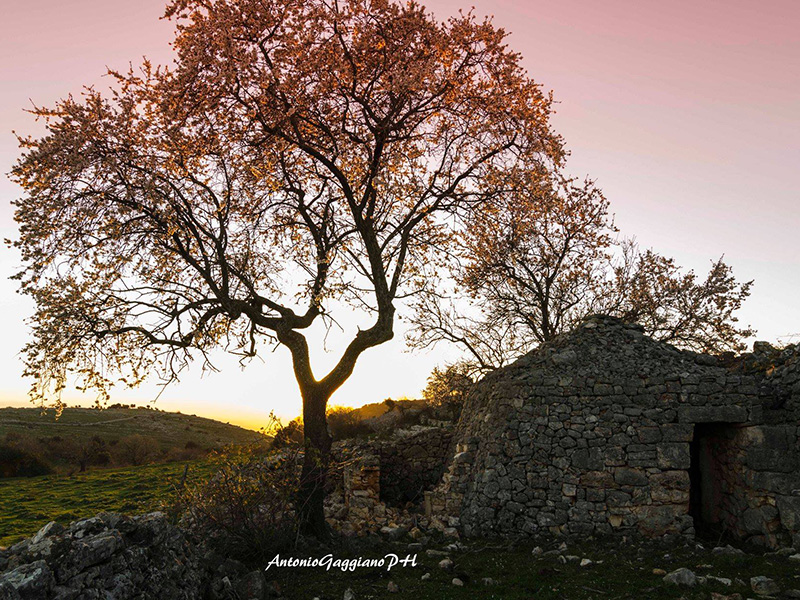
605, 430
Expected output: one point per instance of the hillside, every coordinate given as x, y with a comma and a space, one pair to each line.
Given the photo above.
168, 428
376, 409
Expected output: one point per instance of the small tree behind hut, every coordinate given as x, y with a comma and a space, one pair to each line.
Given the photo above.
531, 266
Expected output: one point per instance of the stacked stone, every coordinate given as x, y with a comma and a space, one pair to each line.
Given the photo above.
782, 383
591, 434
413, 462
107, 556
362, 487
404, 465
378, 478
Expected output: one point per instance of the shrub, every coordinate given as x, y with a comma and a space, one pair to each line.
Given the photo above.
191, 451
136, 450
245, 510
20, 462
344, 423
289, 435
449, 385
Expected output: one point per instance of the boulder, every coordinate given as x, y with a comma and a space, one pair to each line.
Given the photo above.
681, 576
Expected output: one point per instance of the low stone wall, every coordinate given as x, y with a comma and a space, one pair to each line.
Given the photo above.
108, 556
412, 463
113, 556
398, 469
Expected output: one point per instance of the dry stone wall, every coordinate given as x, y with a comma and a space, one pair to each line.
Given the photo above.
379, 478
599, 431
398, 469
413, 462
108, 556
116, 557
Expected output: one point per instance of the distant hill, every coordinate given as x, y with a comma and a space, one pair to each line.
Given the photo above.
169, 429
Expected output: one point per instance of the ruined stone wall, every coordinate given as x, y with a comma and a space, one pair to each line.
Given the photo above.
781, 386
781, 444
108, 556
413, 463
376, 478
389, 471
117, 557
592, 434
401, 466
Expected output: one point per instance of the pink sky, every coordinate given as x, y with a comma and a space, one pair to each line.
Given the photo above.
687, 113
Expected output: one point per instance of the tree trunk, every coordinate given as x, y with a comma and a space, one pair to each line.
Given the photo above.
316, 460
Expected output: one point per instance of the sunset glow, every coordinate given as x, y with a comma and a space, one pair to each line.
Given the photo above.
687, 117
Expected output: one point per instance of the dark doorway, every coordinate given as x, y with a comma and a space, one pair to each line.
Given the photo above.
708, 477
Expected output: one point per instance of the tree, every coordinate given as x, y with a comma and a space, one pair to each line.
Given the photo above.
534, 263
678, 307
82, 451
538, 263
449, 385
300, 155
136, 450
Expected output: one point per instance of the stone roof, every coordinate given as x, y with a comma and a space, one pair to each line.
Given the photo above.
591, 433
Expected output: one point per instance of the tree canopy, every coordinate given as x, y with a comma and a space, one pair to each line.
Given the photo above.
531, 266
299, 154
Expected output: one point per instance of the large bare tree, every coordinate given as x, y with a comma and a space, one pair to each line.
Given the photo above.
299, 154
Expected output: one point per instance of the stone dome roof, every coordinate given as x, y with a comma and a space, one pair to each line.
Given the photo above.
595, 432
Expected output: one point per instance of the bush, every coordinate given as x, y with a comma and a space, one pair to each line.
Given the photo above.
449, 385
344, 423
290, 435
136, 450
19, 462
245, 510
191, 451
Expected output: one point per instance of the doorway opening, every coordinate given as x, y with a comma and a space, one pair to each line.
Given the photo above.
711, 478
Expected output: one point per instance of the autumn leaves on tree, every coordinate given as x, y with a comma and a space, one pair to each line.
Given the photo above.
300, 157
533, 265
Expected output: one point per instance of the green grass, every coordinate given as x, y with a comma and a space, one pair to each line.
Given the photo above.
168, 428
624, 574
28, 503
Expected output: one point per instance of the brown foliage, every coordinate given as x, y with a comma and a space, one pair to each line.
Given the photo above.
245, 510
345, 423
538, 263
449, 385
678, 307
136, 450
299, 153
21, 461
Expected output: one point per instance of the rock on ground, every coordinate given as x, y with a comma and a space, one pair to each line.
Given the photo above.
112, 556
764, 586
681, 576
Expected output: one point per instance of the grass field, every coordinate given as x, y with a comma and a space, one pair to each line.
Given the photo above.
30, 502
168, 428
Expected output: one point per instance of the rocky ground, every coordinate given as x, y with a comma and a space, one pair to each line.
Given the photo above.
581, 570
113, 557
